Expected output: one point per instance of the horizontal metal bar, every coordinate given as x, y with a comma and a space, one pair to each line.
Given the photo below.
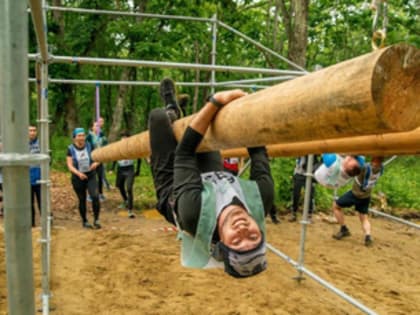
144, 83
164, 64
321, 281
391, 217
15, 159
134, 14
279, 78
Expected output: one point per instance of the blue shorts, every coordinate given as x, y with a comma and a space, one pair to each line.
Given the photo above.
348, 200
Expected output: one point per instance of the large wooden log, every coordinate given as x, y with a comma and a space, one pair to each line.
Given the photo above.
372, 94
400, 143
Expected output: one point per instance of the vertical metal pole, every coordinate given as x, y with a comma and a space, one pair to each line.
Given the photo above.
98, 109
45, 191
45, 178
16, 185
304, 222
213, 51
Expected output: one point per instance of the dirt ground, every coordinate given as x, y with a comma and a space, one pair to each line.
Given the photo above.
131, 266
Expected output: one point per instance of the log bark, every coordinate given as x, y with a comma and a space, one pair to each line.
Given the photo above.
372, 94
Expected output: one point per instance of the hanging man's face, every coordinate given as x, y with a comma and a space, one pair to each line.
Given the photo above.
238, 230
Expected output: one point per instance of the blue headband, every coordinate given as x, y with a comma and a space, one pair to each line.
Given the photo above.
76, 131
360, 159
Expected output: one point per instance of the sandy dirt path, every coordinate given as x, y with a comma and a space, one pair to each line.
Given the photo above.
131, 266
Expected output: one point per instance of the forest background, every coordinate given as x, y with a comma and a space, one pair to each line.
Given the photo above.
309, 33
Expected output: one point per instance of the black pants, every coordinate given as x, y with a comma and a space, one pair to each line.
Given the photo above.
100, 172
124, 182
163, 145
80, 187
299, 182
105, 180
35, 193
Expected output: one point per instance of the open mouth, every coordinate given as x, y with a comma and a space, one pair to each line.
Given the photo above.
238, 222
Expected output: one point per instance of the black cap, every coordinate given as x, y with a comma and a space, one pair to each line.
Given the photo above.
242, 264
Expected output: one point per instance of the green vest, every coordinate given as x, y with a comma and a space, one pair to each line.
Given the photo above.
219, 190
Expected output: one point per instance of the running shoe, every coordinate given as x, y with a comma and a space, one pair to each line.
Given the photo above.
368, 241
344, 232
168, 95
87, 225
97, 224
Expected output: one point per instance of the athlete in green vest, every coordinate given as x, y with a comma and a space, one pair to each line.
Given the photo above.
220, 216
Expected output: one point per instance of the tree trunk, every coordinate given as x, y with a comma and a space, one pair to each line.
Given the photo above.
70, 108
298, 37
119, 107
67, 90
130, 115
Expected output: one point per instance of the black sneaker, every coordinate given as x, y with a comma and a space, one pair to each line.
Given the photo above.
274, 219
168, 95
342, 233
87, 225
368, 241
97, 225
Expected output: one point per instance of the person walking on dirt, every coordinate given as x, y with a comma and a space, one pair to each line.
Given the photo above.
83, 176
299, 182
221, 217
125, 179
97, 139
34, 172
359, 197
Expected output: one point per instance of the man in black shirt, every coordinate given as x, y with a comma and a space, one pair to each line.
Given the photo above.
221, 217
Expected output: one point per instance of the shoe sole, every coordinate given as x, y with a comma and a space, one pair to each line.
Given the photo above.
167, 88
341, 237
167, 93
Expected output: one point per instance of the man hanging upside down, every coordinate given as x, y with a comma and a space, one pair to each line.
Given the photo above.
221, 217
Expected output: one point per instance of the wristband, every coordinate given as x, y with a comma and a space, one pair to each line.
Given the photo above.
215, 102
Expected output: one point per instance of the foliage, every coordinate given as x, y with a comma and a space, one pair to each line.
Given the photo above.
337, 31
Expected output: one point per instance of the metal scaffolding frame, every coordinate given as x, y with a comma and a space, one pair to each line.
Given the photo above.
15, 160
238, 83
393, 218
162, 64
14, 26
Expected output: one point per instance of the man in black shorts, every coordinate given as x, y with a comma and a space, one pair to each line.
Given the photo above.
221, 217
359, 197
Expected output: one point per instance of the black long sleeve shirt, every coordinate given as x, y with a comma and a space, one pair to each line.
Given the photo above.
188, 184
